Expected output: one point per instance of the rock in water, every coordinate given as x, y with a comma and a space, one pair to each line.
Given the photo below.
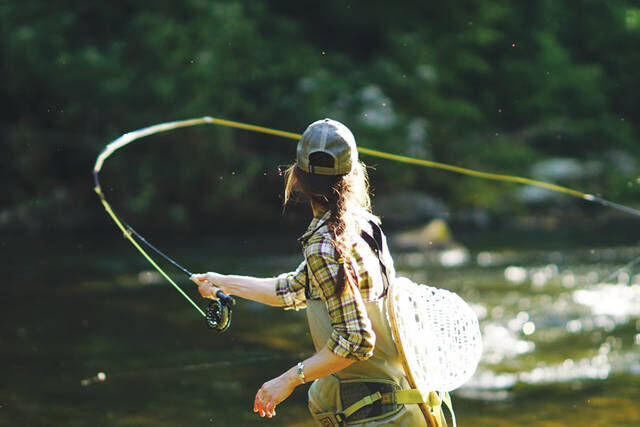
435, 235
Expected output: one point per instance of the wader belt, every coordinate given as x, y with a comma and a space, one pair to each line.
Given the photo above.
381, 399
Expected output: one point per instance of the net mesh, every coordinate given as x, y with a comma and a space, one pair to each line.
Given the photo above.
439, 334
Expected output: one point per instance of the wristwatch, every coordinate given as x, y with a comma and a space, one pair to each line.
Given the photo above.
300, 372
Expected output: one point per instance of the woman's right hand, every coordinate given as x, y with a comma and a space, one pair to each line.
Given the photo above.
208, 284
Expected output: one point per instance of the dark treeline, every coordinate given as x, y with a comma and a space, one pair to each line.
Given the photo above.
486, 84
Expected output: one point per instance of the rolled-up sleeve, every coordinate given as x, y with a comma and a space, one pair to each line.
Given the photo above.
352, 336
290, 288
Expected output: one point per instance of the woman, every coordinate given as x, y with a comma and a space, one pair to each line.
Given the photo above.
342, 283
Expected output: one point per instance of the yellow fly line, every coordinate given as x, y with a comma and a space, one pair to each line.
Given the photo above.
164, 127
127, 235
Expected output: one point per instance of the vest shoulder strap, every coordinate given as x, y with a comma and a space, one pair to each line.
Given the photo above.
375, 241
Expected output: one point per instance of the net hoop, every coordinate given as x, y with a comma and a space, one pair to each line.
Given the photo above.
437, 336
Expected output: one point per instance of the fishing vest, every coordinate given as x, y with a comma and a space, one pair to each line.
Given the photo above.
373, 391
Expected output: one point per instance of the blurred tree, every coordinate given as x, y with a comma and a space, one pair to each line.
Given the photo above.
486, 84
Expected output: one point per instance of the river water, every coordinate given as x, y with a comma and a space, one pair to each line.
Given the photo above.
90, 336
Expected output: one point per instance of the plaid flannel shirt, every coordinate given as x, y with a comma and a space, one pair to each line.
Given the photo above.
353, 336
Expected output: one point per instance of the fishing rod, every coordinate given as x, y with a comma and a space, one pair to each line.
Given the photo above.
218, 313
221, 295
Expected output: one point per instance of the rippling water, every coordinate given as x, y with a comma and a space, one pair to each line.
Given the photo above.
90, 336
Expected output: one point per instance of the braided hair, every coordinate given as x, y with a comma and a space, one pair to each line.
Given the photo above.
344, 196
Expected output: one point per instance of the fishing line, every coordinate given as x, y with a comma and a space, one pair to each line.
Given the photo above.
218, 312
164, 127
158, 251
221, 295
624, 268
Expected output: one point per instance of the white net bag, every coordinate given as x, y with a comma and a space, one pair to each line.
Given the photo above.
436, 333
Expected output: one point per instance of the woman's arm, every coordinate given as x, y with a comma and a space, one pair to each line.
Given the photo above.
262, 290
273, 392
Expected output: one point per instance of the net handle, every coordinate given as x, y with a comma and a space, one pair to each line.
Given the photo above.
395, 332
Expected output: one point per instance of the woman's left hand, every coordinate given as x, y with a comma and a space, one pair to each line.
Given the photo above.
272, 393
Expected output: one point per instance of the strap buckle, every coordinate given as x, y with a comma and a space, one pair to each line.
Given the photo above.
388, 398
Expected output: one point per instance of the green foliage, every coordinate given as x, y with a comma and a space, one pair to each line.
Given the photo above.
632, 19
484, 84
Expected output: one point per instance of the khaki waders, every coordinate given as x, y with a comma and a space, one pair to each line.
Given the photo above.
372, 392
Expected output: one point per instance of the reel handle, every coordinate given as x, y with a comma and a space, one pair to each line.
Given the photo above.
226, 298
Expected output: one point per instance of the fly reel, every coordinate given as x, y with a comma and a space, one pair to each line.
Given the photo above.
218, 314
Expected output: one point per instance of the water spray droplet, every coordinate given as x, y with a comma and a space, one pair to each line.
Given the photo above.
528, 328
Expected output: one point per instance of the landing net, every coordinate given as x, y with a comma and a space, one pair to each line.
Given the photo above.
437, 334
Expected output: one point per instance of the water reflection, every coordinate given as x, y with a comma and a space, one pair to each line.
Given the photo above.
620, 300
597, 367
547, 318
515, 274
549, 321
594, 368
500, 342
99, 377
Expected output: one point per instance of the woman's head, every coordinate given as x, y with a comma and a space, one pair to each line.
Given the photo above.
331, 138
327, 171
328, 174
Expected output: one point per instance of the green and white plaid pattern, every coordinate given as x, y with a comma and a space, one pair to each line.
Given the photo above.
353, 336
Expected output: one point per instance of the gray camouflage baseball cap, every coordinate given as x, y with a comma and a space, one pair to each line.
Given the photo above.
330, 137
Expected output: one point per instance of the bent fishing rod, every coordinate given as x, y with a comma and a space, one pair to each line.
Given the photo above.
218, 312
